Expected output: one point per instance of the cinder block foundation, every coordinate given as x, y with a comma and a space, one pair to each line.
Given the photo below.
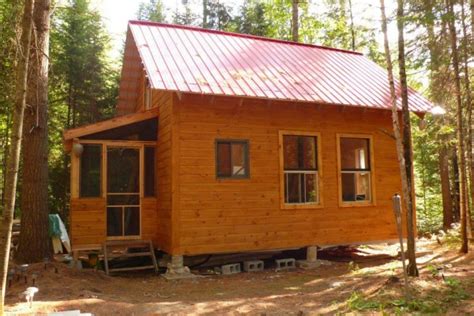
253, 266
285, 264
232, 268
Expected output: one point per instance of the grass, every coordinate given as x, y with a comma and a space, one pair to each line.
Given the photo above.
433, 302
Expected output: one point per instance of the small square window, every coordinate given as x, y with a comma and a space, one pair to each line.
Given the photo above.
232, 159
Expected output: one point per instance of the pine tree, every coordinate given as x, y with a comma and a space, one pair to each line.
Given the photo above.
15, 147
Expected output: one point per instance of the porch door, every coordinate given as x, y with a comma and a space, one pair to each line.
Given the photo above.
123, 192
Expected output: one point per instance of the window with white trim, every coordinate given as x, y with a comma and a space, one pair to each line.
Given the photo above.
355, 169
300, 169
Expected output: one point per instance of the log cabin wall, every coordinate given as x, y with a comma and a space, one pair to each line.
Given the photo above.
230, 215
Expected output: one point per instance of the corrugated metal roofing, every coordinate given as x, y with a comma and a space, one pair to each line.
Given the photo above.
195, 60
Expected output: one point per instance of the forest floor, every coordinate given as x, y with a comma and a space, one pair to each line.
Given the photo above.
369, 283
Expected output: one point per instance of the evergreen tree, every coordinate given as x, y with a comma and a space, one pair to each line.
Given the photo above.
83, 88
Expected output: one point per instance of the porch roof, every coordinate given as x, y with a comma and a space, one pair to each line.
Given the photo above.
118, 121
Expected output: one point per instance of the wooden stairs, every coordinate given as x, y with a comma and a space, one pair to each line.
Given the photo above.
114, 249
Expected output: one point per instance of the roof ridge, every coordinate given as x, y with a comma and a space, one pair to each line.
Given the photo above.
200, 29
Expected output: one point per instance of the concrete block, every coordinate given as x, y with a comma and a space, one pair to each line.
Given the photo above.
285, 264
232, 268
253, 266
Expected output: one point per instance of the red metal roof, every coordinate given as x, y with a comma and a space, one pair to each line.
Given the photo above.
194, 60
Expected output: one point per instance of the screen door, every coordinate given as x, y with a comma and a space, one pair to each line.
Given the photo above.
123, 192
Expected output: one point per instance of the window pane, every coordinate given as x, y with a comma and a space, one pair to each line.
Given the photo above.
311, 188
223, 160
90, 176
114, 221
150, 171
123, 170
307, 152
354, 153
132, 221
290, 152
356, 186
292, 186
238, 159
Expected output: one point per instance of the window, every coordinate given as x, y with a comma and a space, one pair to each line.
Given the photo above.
232, 159
355, 169
300, 169
90, 171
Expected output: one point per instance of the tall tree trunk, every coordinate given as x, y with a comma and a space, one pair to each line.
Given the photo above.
204, 13
34, 242
468, 98
456, 187
395, 116
294, 21
15, 145
407, 145
445, 184
351, 16
460, 128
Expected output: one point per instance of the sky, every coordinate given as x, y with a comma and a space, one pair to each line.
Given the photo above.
116, 14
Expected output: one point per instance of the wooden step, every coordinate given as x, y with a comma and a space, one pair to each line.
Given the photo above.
129, 254
129, 244
132, 268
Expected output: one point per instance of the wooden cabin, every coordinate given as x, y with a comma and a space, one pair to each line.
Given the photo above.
226, 143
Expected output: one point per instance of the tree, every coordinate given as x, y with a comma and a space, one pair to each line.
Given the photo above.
252, 19
15, 145
83, 85
151, 11
34, 242
460, 127
407, 145
294, 21
10, 18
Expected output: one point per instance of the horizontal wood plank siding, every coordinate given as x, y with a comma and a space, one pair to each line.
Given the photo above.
227, 215
88, 221
163, 170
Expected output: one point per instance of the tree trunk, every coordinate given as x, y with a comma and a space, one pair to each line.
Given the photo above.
460, 129
34, 242
445, 185
351, 16
468, 98
395, 116
204, 13
407, 145
456, 187
15, 145
294, 21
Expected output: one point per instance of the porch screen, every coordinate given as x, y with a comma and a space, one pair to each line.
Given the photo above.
90, 171
355, 169
300, 169
123, 191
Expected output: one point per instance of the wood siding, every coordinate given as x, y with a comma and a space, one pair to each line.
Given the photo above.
229, 215
163, 170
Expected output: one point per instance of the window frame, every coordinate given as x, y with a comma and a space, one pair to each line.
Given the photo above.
371, 170
246, 144
319, 171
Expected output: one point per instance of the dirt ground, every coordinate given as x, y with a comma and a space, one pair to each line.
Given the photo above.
325, 290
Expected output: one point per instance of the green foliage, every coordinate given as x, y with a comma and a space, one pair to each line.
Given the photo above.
436, 301
10, 14
427, 180
83, 85
152, 11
